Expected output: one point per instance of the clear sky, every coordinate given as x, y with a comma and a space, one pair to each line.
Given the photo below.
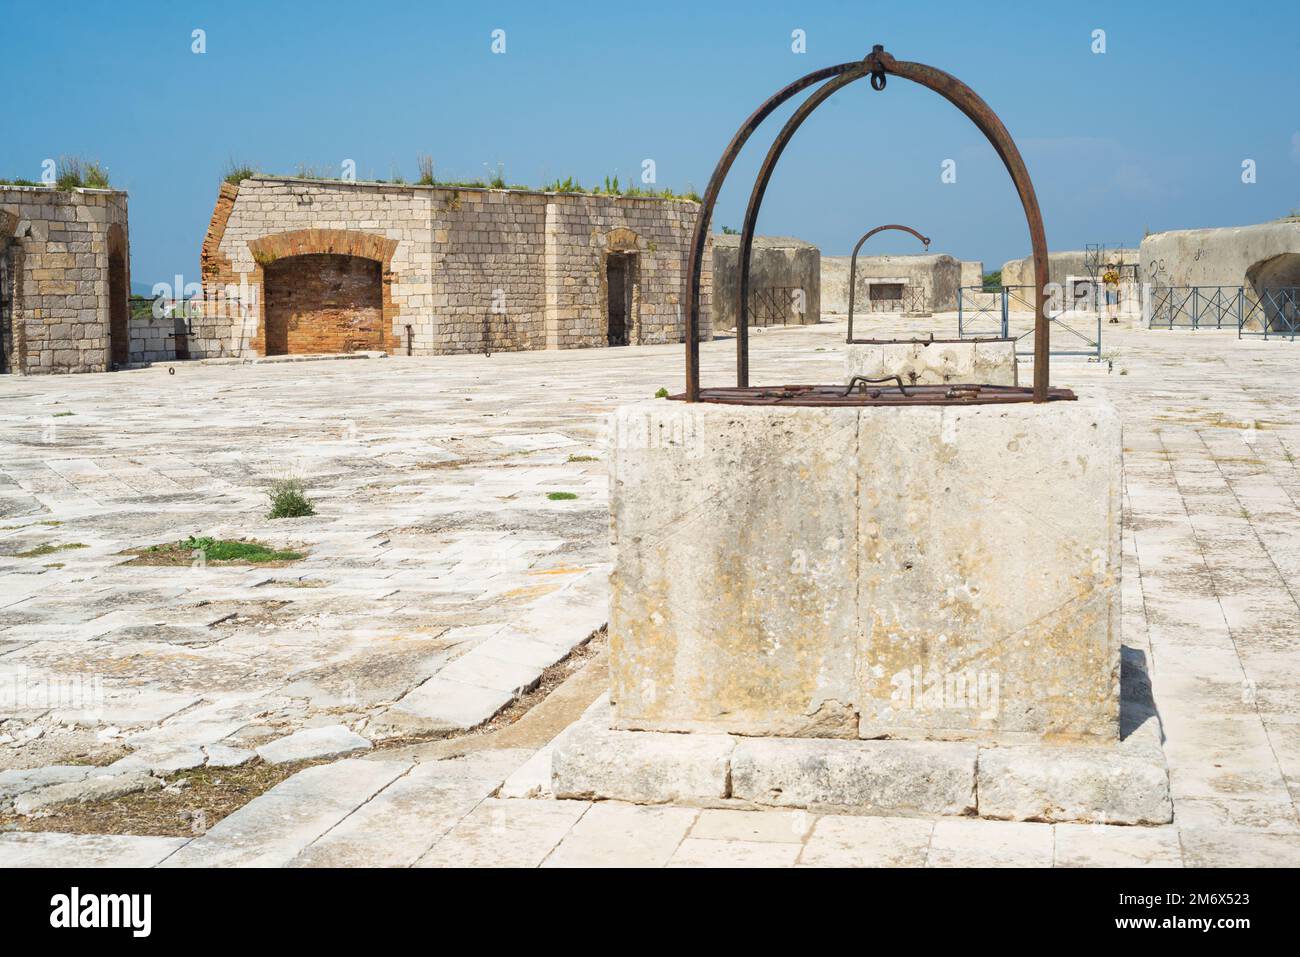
1149, 135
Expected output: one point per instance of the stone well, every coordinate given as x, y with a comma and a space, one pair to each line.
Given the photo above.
901, 599
934, 361
897, 609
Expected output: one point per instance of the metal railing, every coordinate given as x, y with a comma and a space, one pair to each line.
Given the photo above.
1194, 307
1007, 311
1270, 313
1264, 313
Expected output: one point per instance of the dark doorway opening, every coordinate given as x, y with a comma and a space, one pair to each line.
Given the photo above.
619, 278
6, 306
119, 333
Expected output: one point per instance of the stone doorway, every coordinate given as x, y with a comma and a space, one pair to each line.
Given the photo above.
119, 330
620, 281
323, 303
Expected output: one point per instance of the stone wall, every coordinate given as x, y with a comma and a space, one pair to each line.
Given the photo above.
153, 340
68, 279
462, 270
930, 280
1267, 254
972, 272
784, 281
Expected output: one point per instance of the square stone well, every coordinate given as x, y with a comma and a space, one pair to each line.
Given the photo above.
989, 361
924, 572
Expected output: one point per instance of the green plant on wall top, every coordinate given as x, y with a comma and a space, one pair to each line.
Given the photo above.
77, 173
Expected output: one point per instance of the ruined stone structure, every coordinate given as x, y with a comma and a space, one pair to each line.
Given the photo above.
64, 280
910, 284
784, 281
1262, 256
312, 266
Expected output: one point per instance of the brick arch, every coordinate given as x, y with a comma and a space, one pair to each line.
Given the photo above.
622, 239
338, 242
8, 225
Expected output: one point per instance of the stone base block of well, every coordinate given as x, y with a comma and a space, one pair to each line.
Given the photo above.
1124, 784
935, 362
925, 572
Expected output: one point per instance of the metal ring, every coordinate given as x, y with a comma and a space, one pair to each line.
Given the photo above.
878, 81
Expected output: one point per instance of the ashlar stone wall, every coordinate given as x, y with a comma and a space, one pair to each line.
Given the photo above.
461, 270
66, 279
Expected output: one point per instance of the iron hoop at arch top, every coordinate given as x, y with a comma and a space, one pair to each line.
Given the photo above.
853, 262
953, 90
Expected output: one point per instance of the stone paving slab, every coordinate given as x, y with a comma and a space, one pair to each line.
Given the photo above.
506, 834
48, 849
401, 823
273, 829
623, 835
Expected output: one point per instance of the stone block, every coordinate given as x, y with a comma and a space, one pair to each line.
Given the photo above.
947, 572
1101, 785
917, 362
642, 767
880, 777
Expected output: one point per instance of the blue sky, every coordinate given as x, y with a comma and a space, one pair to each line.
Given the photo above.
1149, 135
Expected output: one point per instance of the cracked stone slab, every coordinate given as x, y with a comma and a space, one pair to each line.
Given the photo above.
223, 756
500, 833
161, 760
441, 704
101, 787
331, 741
929, 777
271, 830
403, 821
53, 849
15, 783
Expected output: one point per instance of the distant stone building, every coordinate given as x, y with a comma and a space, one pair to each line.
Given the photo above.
917, 285
64, 280
323, 266
784, 281
1075, 271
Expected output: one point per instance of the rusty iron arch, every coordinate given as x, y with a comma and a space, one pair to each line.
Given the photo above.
878, 65
853, 262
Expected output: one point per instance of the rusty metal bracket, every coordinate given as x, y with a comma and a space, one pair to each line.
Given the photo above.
862, 382
853, 264
878, 64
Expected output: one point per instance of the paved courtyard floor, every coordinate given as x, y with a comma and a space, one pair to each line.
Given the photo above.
439, 579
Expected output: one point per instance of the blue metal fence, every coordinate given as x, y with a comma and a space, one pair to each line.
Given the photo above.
1007, 312
1265, 313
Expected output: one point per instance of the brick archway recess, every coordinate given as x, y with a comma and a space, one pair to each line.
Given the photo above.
339, 242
